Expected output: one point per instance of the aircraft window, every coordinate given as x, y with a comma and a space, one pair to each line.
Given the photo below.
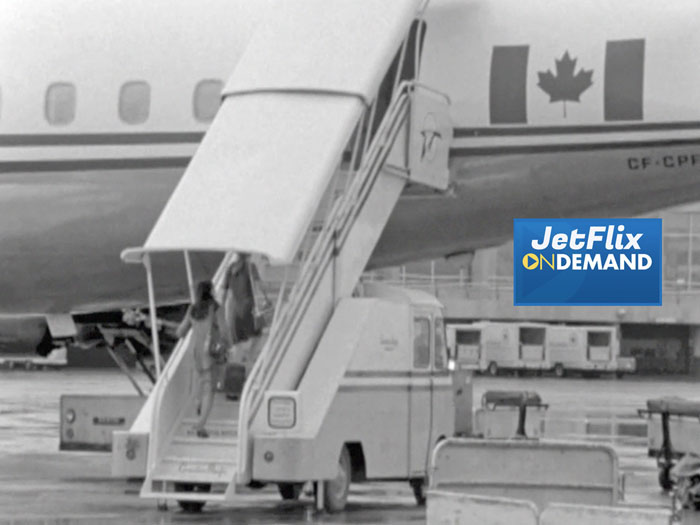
134, 102
207, 98
440, 357
60, 103
421, 342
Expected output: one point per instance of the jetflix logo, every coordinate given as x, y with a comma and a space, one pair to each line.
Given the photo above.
587, 261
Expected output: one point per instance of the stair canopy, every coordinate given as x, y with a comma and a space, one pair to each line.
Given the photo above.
288, 112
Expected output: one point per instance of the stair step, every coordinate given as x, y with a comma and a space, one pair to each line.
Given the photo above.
193, 439
226, 476
223, 409
191, 459
212, 422
218, 426
202, 450
184, 496
195, 469
228, 434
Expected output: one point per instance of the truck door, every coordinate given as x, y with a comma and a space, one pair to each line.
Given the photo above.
441, 417
419, 397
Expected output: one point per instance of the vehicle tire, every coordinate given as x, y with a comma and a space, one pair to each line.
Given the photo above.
559, 370
188, 505
619, 375
492, 369
290, 491
191, 506
335, 491
665, 481
418, 486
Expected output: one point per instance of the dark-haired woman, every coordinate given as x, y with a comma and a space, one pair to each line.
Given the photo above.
205, 318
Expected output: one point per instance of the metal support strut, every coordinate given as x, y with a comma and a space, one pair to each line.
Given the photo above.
152, 310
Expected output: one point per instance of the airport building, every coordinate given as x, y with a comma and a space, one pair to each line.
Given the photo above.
664, 339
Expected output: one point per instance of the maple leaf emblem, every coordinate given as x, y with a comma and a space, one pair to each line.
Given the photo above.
565, 85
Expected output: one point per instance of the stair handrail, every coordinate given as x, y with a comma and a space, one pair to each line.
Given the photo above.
346, 204
171, 366
338, 223
332, 236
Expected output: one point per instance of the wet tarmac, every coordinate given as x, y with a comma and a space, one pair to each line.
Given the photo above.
38, 484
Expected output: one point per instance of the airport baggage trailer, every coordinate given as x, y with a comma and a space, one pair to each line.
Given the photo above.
673, 430
540, 471
590, 350
493, 347
572, 514
445, 507
87, 421
55, 359
464, 344
503, 415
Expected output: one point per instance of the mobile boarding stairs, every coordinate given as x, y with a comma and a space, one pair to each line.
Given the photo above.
304, 114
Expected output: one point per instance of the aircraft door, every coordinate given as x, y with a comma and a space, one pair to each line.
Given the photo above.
420, 397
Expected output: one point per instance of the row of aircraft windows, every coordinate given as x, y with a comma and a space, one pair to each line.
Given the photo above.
134, 102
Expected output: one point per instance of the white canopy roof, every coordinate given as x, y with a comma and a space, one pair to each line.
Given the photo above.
293, 101
344, 46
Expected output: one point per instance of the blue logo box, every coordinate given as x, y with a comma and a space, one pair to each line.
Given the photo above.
601, 262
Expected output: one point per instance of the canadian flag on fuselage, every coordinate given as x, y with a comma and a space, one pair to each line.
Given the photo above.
521, 83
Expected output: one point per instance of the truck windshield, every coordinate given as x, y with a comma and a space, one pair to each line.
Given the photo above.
440, 358
421, 342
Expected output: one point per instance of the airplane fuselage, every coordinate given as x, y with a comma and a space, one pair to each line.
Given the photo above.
566, 109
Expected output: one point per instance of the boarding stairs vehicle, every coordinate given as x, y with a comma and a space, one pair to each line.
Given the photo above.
343, 105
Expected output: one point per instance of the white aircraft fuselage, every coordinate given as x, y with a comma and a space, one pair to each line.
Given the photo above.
560, 109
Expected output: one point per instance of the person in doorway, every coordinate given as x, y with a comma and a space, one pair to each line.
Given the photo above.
240, 305
207, 322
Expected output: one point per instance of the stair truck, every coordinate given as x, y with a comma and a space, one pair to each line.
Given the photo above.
345, 388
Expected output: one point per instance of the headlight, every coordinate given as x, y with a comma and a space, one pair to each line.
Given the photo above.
451, 365
281, 412
70, 415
